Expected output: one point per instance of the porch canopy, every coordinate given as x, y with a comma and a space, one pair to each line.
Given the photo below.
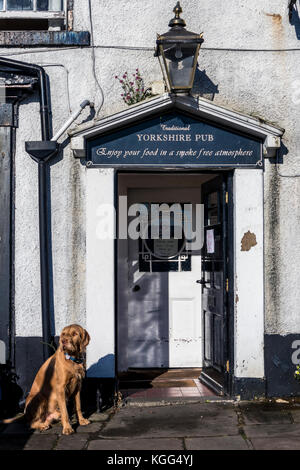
228, 138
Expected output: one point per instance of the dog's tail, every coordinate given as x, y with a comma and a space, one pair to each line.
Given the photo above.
19, 417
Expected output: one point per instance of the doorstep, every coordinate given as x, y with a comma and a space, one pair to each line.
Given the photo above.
156, 394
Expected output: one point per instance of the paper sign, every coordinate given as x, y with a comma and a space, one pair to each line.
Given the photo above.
210, 241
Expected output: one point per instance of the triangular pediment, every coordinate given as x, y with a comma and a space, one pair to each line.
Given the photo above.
179, 112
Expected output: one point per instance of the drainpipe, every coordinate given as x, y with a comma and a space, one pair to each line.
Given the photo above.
41, 152
72, 118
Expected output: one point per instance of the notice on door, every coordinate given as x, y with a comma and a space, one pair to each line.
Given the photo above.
210, 241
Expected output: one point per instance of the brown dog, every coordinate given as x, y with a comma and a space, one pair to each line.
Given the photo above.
58, 380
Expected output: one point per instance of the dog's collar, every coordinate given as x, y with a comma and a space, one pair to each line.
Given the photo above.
74, 359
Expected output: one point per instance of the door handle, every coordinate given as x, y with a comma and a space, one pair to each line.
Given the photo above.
201, 281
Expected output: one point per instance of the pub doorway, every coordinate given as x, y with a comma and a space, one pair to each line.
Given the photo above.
172, 297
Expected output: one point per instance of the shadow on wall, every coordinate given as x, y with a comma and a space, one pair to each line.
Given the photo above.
295, 18
282, 354
98, 392
105, 367
204, 86
28, 360
10, 392
281, 153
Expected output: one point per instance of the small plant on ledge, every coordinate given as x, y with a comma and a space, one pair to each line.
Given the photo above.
134, 89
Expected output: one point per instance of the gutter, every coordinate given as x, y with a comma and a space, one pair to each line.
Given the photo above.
39, 72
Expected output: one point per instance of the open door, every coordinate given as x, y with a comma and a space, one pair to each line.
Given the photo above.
214, 284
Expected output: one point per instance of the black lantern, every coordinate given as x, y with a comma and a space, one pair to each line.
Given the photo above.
179, 49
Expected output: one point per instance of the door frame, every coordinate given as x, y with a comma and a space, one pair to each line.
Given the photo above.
229, 334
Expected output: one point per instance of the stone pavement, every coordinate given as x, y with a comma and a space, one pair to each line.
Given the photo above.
216, 425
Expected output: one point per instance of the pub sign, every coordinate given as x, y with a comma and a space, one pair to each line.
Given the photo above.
175, 140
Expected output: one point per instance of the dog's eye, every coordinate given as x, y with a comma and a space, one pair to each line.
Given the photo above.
74, 334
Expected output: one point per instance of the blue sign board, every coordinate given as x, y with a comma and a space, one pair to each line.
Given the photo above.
175, 140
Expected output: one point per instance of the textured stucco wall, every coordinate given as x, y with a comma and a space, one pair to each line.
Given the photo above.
258, 82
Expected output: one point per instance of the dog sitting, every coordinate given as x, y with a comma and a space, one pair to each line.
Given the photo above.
58, 380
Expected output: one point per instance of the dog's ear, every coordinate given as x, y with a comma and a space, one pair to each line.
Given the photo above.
60, 339
85, 340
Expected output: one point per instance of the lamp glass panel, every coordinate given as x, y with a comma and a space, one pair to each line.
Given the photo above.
180, 61
181, 72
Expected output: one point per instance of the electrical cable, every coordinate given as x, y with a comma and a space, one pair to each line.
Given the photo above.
67, 81
94, 60
137, 48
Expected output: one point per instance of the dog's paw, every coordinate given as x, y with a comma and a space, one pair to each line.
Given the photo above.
44, 427
68, 430
84, 422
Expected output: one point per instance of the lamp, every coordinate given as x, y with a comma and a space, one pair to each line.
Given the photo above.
179, 50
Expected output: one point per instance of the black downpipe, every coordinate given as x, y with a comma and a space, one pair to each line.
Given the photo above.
41, 156
44, 260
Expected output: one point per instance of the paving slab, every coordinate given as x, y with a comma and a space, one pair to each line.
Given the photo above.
90, 428
256, 416
276, 443
54, 429
136, 444
217, 443
40, 442
296, 416
13, 442
173, 421
99, 417
265, 413
72, 442
272, 430
57, 428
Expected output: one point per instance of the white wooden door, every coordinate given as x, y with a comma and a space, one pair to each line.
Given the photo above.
164, 304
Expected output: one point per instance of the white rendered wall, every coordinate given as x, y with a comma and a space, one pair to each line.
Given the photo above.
261, 82
100, 285
249, 273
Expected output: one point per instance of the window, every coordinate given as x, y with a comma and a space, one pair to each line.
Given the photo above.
31, 5
32, 15
164, 254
